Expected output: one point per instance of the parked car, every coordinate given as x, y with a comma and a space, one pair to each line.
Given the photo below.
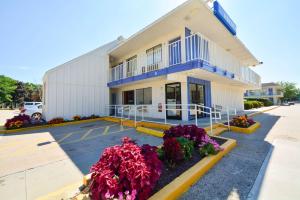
285, 103
291, 103
33, 109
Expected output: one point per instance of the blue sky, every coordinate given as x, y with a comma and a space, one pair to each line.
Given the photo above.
38, 35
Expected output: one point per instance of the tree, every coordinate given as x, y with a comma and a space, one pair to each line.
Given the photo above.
7, 88
290, 91
18, 96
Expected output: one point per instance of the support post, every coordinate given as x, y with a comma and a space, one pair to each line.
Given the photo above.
228, 119
165, 113
210, 119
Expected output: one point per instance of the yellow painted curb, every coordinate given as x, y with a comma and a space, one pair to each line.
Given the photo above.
112, 119
248, 130
48, 126
260, 112
149, 131
129, 123
182, 183
155, 125
63, 193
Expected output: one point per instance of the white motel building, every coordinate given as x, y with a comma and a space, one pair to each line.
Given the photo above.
186, 61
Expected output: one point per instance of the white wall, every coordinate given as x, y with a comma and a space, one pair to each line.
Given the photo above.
227, 95
78, 87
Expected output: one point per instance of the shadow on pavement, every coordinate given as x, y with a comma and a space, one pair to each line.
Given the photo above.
234, 176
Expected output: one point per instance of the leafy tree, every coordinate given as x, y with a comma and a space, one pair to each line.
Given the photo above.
18, 96
290, 90
7, 88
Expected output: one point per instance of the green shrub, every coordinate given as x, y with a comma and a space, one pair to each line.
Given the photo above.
268, 103
248, 105
255, 104
187, 147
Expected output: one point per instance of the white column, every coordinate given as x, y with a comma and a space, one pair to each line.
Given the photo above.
184, 101
183, 60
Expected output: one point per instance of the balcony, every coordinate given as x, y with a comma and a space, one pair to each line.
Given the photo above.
166, 57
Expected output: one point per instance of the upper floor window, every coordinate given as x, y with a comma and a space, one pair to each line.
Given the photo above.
154, 58
270, 91
131, 66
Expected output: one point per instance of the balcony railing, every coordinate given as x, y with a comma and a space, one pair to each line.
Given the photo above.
197, 47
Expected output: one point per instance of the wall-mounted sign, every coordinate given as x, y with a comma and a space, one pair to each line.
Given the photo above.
224, 18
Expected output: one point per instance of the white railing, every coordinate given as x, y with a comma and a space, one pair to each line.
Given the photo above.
116, 73
154, 59
131, 67
197, 47
175, 53
147, 112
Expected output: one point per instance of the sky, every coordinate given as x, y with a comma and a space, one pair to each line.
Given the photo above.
36, 36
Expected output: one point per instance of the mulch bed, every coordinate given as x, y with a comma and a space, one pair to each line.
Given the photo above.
169, 174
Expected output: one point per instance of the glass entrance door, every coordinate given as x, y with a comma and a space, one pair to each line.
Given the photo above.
197, 96
173, 101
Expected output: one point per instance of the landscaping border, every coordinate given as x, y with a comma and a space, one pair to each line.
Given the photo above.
183, 182
48, 126
249, 130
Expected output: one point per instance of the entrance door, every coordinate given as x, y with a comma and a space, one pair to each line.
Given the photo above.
173, 101
197, 96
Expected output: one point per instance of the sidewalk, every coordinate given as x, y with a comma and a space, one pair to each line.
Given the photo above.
279, 177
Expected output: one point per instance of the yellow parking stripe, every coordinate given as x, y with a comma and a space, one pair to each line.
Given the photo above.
106, 130
65, 137
86, 134
92, 137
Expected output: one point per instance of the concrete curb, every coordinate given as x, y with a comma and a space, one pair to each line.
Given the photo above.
183, 182
49, 125
260, 112
254, 192
248, 130
149, 131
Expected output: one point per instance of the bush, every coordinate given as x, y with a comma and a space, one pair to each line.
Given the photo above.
248, 105
196, 135
209, 146
173, 153
76, 118
252, 104
187, 147
125, 171
242, 121
191, 132
17, 121
57, 120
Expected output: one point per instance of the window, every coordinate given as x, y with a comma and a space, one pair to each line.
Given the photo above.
144, 96
154, 58
131, 65
128, 97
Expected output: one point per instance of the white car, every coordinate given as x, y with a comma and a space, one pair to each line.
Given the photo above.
33, 109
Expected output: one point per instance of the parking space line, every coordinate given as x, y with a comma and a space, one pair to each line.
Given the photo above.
65, 137
86, 134
106, 130
96, 136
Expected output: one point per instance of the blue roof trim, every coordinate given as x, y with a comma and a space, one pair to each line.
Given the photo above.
224, 18
173, 69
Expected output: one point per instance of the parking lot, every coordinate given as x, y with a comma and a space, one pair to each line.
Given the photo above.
38, 162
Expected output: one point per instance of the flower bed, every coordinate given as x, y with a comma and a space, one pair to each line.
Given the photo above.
24, 121
243, 124
129, 171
